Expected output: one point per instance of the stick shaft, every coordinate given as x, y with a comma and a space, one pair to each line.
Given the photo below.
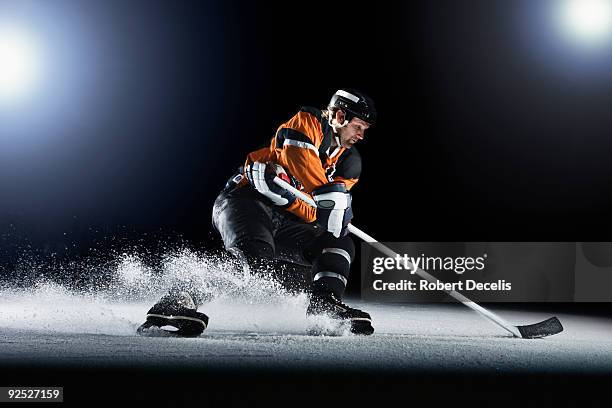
423, 274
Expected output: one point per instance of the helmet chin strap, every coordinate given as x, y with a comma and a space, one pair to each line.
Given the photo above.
335, 126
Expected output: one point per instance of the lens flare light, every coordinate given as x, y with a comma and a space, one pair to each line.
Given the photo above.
19, 64
587, 23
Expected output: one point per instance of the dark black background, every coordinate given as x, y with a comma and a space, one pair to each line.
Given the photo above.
482, 136
477, 138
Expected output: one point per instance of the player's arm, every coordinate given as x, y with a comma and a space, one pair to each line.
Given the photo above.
297, 145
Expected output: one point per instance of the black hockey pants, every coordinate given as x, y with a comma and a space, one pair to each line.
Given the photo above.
267, 237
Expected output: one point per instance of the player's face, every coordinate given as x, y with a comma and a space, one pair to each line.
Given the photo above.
353, 132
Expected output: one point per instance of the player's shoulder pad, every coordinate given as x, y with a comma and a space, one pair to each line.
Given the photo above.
302, 130
325, 127
317, 113
349, 164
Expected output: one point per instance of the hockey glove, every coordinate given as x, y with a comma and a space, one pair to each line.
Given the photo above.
334, 211
261, 176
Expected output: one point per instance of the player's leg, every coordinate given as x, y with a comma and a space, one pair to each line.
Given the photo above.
332, 258
294, 240
246, 224
246, 230
329, 261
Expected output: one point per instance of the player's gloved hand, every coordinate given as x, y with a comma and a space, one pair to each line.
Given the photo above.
334, 211
260, 175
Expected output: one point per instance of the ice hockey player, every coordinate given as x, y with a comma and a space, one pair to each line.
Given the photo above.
261, 223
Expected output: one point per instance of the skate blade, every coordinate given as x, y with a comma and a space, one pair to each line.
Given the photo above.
149, 329
155, 331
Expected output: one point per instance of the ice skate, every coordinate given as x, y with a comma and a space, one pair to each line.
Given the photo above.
175, 314
324, 302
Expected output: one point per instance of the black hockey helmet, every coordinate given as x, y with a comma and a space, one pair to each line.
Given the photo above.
354, 104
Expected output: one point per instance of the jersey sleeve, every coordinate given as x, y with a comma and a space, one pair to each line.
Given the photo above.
297, 145
303, 210
349, 183
348, 168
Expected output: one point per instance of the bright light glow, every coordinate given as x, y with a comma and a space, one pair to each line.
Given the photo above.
19, 64
587, 22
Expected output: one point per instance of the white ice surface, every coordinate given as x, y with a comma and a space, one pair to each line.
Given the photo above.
259, 326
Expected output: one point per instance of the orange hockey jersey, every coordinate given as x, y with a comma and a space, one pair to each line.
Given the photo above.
302, 146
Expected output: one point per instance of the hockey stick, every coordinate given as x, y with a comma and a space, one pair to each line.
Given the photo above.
544, 328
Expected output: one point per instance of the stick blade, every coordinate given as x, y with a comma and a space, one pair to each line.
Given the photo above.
545, 328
